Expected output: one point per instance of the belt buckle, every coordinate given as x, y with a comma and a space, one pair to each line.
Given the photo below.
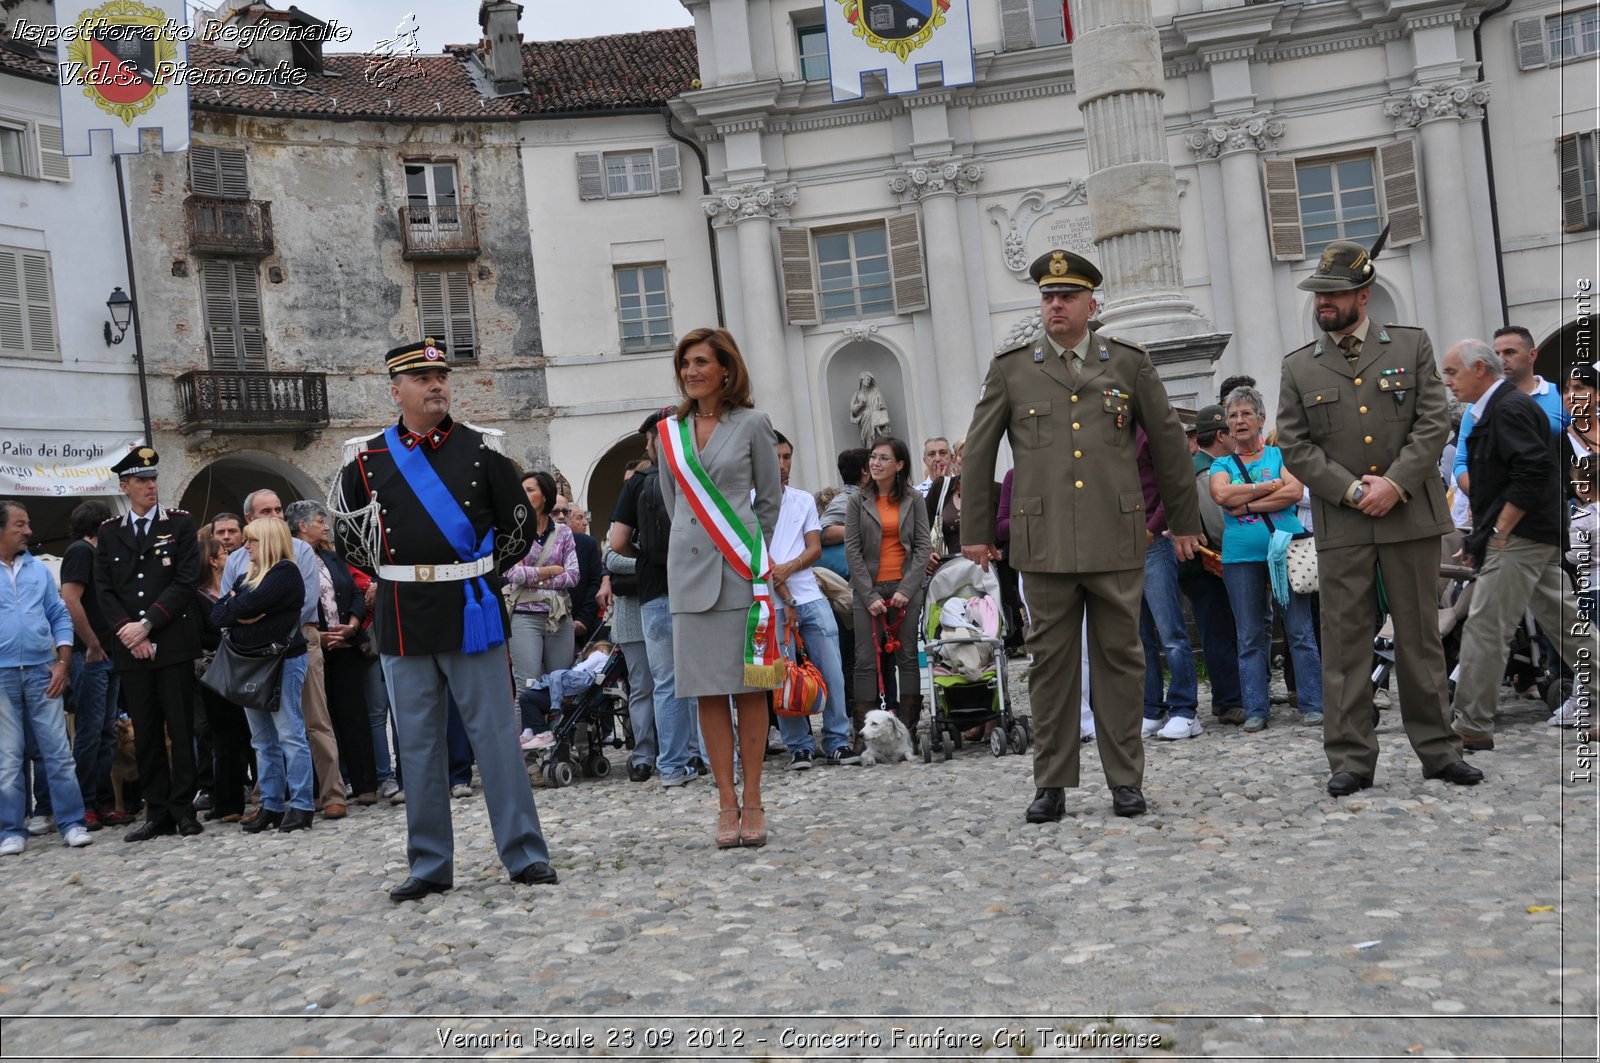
424, 573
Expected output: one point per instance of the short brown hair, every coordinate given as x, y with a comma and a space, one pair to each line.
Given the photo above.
736, 392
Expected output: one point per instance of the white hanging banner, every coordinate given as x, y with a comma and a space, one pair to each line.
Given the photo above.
60, 464
894, 37
122, 65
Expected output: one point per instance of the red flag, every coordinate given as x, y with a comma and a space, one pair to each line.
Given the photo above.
1066, 18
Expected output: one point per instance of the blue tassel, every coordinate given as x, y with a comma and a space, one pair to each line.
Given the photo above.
473, 637
494, 628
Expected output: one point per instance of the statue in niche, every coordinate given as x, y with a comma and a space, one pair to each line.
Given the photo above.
869, 412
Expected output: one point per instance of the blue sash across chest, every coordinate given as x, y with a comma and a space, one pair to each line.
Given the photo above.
481, 628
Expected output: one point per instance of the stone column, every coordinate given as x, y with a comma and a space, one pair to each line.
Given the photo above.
1437, 111
752, 209
1133, 194
1257, 342
934, 186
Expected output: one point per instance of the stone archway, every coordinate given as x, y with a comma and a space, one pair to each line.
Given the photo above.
604, 482
221, 485
1569, 345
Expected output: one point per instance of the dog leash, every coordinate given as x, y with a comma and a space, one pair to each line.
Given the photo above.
885, 640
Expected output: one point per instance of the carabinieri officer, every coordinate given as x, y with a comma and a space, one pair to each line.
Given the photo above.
436, 510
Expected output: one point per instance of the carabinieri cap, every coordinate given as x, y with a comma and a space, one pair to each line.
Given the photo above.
418, 357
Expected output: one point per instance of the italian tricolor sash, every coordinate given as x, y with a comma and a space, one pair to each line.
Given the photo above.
740, 546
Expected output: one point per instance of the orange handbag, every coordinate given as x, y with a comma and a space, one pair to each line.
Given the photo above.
803, 692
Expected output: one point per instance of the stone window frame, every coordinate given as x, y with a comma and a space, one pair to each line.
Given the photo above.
801, 271
860, 307
1031, 24
1398, 193
812, 32
28, 309
657, 328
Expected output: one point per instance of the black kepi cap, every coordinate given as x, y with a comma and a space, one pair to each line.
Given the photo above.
427, 353
140, 462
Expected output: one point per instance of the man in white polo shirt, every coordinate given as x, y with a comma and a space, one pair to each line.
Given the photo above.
796, 546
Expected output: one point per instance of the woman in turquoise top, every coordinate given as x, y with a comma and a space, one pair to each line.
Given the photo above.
1268, 492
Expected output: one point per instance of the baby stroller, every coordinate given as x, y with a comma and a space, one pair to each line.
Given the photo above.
590, 721
963, 627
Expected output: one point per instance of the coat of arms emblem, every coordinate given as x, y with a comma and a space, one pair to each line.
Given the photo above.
898, 27
125, 56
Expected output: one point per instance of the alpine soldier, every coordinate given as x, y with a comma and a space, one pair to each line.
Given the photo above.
1069, 402
146, 565
1362, 421
436, 511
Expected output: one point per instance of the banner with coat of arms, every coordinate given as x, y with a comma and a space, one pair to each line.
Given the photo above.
895, 37
121, 64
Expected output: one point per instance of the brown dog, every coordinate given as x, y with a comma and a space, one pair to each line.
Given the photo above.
124, 767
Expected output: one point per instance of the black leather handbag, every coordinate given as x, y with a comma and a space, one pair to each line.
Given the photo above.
250, 679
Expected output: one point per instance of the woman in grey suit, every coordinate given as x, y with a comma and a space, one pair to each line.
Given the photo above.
711, 602
887, 543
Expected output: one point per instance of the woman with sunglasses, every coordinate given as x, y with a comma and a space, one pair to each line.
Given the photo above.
887, 542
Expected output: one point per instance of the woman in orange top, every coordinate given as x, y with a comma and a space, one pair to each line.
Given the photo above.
887, 544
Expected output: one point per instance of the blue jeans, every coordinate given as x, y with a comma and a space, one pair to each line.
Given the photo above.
378, 717
1219, 641
819, 630
94, 742
1162, 629
641, 703
1250, 592
283, 756
23, 699
677, 719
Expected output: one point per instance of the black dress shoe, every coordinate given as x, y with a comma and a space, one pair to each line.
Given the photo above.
296, 819
188, 826
1127, 801
202, 801
1459, 772
152, 828
1345, 783
639, 772
414, 889
1049, 805
536, 874
264, 821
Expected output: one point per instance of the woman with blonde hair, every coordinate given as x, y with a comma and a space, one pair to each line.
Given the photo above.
262, 610
721, 483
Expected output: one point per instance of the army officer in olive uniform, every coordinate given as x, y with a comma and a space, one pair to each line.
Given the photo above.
146, 566
1069, 402
1362, 421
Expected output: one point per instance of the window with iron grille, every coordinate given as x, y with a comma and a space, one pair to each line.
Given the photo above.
643, 312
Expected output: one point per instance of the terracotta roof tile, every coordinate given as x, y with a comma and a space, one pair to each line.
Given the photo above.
606, 73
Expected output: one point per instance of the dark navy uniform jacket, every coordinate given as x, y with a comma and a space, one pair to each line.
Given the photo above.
417, 618
155, 584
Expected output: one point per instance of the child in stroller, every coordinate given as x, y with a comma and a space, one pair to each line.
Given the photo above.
537, 700
573, 714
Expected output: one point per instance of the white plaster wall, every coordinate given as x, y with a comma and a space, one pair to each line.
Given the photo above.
87, 386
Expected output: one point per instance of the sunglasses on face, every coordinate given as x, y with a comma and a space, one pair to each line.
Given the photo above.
559, 512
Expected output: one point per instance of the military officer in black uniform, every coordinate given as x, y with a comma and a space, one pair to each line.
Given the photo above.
436, 511
147, 563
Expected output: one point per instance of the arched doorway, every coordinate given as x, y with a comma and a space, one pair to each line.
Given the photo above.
1569, 345
605, 480
221, 486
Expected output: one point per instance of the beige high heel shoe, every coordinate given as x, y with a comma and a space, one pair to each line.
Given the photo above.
753, 832
728, 828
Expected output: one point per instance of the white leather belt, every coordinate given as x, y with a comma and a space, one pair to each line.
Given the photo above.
436, 573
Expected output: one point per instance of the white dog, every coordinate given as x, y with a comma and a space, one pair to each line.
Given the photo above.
885, 738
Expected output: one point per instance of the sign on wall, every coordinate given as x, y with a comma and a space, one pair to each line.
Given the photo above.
59, 464
122, 66
894, 37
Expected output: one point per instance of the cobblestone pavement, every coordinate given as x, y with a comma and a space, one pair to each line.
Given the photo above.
1248, 915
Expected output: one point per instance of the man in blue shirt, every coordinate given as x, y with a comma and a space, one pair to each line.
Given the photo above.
35, 655
1514, 345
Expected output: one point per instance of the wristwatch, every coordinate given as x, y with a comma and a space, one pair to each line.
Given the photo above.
1358, 493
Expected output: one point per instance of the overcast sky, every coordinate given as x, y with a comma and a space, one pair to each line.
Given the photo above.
442, 22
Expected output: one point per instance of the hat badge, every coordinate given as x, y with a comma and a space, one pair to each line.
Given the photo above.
1328, 256
431, 352
1058, 264
145, 453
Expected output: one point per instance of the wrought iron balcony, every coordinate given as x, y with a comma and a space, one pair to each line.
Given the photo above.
229, 401
439, 230
229, 226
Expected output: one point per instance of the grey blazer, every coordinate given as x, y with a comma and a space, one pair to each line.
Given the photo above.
741, 454
863, 543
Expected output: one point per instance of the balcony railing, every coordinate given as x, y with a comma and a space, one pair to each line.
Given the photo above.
439, 230
227, 401
230, 226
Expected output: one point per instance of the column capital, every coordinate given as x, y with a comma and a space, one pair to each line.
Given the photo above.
743, 202
1461, 100
952, 176
1257, 131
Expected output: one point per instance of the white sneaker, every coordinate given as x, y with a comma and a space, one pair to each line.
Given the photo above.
461, 789
13, 845
1180, 727
1151, 727
1566, 715
1085, 737
543, 740
39, 825
78, 837
775, 741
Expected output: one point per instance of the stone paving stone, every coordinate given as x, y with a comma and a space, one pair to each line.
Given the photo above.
1249, 914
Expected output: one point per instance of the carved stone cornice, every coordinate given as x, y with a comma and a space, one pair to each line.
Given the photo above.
1015, 223
953, 176
1429, 103
733, 205
1258, 131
